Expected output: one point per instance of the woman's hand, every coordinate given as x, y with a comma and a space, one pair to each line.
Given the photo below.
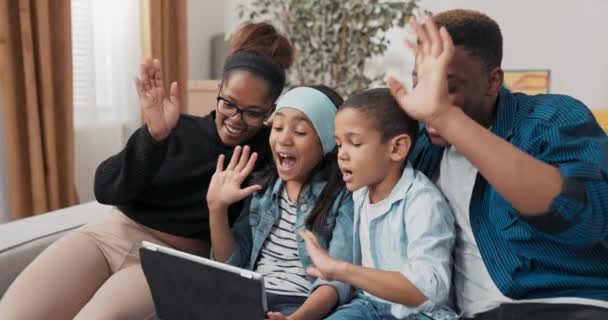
225, 186
159, 111
326, 267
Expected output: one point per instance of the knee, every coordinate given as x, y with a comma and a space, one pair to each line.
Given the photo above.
9, 310
118, 309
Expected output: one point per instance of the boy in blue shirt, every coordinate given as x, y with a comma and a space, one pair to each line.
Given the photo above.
403, 227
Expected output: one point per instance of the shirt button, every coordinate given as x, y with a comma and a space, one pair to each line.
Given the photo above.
303, 207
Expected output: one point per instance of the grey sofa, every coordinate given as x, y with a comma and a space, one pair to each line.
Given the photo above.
21, 241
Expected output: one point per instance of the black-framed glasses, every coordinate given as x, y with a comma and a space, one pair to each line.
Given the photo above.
230, 109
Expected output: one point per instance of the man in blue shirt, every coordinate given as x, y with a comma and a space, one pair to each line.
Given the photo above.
526, 176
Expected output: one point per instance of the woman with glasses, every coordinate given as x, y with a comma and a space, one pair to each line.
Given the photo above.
157, 184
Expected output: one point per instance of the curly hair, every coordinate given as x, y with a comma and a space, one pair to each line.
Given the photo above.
474, 31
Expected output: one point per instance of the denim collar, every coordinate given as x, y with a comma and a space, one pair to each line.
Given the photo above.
399, 191
311, 190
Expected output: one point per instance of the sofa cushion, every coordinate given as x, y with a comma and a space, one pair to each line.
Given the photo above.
21, 241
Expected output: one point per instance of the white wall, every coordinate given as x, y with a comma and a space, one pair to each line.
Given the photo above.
205, 19
568, 37
4, 205
231, 15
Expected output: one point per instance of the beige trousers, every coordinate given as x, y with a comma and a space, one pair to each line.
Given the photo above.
92, 273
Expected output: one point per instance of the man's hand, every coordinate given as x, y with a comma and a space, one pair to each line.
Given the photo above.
428, 101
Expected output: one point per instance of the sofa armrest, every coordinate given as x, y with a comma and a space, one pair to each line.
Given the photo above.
21, 241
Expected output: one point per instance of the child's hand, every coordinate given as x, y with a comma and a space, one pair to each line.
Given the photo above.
326, 266
275, 316
225, 186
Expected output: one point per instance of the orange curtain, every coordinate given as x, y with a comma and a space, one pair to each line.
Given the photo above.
164, 31
36, 83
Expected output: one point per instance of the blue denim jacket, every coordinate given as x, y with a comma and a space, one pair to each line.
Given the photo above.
414, 236
253, 228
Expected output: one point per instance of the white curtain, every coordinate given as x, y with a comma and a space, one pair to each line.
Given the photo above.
106, 57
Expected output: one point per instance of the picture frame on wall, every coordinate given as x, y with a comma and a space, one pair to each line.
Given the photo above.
528, 81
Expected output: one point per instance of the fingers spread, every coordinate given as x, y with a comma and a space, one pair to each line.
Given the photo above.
144, 74
396, 88
244, 158
151, 72
412, 45
423, 38
244, 193
250, 164
173, 93
139, 87
448, 44
157, 73
143, 77
235, 158
220, 163
436, 45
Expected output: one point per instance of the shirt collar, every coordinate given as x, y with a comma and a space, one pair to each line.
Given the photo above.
399, 191
505, 114
312, 189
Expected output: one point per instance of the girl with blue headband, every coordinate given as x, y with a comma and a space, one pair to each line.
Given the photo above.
302, 191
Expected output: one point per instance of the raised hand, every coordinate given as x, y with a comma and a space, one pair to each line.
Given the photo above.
325, 265
159, 111
225, 186
429, 99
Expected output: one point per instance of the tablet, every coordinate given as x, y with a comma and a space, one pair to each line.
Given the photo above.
185, 286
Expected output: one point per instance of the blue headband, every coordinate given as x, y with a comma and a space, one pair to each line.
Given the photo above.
317, 107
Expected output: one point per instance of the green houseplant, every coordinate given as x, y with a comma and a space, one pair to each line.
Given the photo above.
333, 39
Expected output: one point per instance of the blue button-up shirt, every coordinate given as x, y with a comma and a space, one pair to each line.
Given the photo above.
564, 252
413, 234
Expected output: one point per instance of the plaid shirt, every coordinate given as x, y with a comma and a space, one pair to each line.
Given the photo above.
563, 252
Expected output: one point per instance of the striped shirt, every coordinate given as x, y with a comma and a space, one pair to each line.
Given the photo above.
279, 260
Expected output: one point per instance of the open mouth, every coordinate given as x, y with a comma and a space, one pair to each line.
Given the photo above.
347, 175
232, 130
287, 161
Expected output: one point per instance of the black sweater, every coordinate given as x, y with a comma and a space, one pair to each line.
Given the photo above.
163, 185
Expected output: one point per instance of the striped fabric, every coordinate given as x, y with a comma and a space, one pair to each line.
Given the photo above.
279, 261
564, 252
